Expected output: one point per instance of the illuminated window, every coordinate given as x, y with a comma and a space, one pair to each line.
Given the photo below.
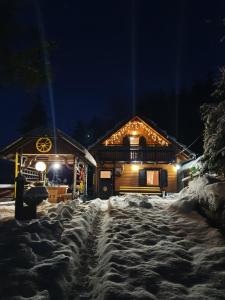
152, 177
105, 174
134, 140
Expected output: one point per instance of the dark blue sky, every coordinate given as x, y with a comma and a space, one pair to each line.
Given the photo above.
177, 42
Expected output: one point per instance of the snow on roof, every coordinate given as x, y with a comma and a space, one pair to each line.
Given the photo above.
191, 163
90, 158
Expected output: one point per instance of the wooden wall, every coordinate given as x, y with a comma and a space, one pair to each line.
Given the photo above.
130, 177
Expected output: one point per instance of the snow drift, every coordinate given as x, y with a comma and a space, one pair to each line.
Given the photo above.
40, 258
206, 195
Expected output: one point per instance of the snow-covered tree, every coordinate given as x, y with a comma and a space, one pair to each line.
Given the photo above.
213, 116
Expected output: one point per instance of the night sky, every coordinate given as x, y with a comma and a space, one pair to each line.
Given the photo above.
176, 43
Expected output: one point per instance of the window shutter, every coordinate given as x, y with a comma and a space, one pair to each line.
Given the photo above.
126, 141
142, 177
142, 141
163, 178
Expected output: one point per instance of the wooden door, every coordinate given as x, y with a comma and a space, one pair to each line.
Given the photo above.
105, 184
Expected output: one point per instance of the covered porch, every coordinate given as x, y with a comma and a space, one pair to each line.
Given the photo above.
51, 159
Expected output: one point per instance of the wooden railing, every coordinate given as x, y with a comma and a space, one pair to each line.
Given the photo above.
128, 154
6, 190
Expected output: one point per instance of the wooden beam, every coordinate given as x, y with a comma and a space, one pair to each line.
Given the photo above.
16, 171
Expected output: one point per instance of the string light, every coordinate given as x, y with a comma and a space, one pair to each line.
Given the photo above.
136, 126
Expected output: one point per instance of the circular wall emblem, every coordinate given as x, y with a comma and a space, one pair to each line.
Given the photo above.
44, 144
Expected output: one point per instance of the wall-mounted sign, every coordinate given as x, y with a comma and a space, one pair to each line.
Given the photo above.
44, 145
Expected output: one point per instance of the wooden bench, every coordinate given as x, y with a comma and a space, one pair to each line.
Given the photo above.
153, 190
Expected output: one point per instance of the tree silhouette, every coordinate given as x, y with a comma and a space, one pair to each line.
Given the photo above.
21, 59
36, 117
79, 132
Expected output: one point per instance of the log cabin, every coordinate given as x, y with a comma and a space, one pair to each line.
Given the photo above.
137, 156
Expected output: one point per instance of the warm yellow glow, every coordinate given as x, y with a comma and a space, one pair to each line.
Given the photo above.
105, 174
134, 128
152, 177
134, 140
40, 166
135, 167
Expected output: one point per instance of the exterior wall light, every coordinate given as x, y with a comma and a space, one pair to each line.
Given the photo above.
135, 167
177, 166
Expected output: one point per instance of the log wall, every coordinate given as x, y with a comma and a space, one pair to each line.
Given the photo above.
130, 177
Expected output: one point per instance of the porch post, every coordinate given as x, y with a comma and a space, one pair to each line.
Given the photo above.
16, 172
74, 177
86, 179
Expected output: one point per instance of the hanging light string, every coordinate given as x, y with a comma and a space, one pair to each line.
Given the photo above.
190, 144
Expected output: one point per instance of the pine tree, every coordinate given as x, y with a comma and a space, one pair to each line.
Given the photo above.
80, 132
213, 116
21, 58
94, 130
36, 117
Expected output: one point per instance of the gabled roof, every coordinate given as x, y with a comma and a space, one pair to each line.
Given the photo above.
182, 148
56, 134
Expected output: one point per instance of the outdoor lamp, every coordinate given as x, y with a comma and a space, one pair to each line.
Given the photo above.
56, 166
135, 167
177, 166
40, 166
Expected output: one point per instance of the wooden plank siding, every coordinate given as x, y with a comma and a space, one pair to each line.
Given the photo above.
130, 177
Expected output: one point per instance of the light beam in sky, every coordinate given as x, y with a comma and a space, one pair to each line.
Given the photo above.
47, 66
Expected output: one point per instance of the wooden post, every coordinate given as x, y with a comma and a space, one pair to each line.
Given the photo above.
16, 172
86, 179
74, 177
20, 181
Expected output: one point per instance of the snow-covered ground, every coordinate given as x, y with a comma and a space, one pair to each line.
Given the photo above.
130, 247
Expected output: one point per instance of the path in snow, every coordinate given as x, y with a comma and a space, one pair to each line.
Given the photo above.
88, 261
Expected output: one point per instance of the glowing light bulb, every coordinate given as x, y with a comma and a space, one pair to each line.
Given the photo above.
56, 166
40, 166
177, 166
135, 167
